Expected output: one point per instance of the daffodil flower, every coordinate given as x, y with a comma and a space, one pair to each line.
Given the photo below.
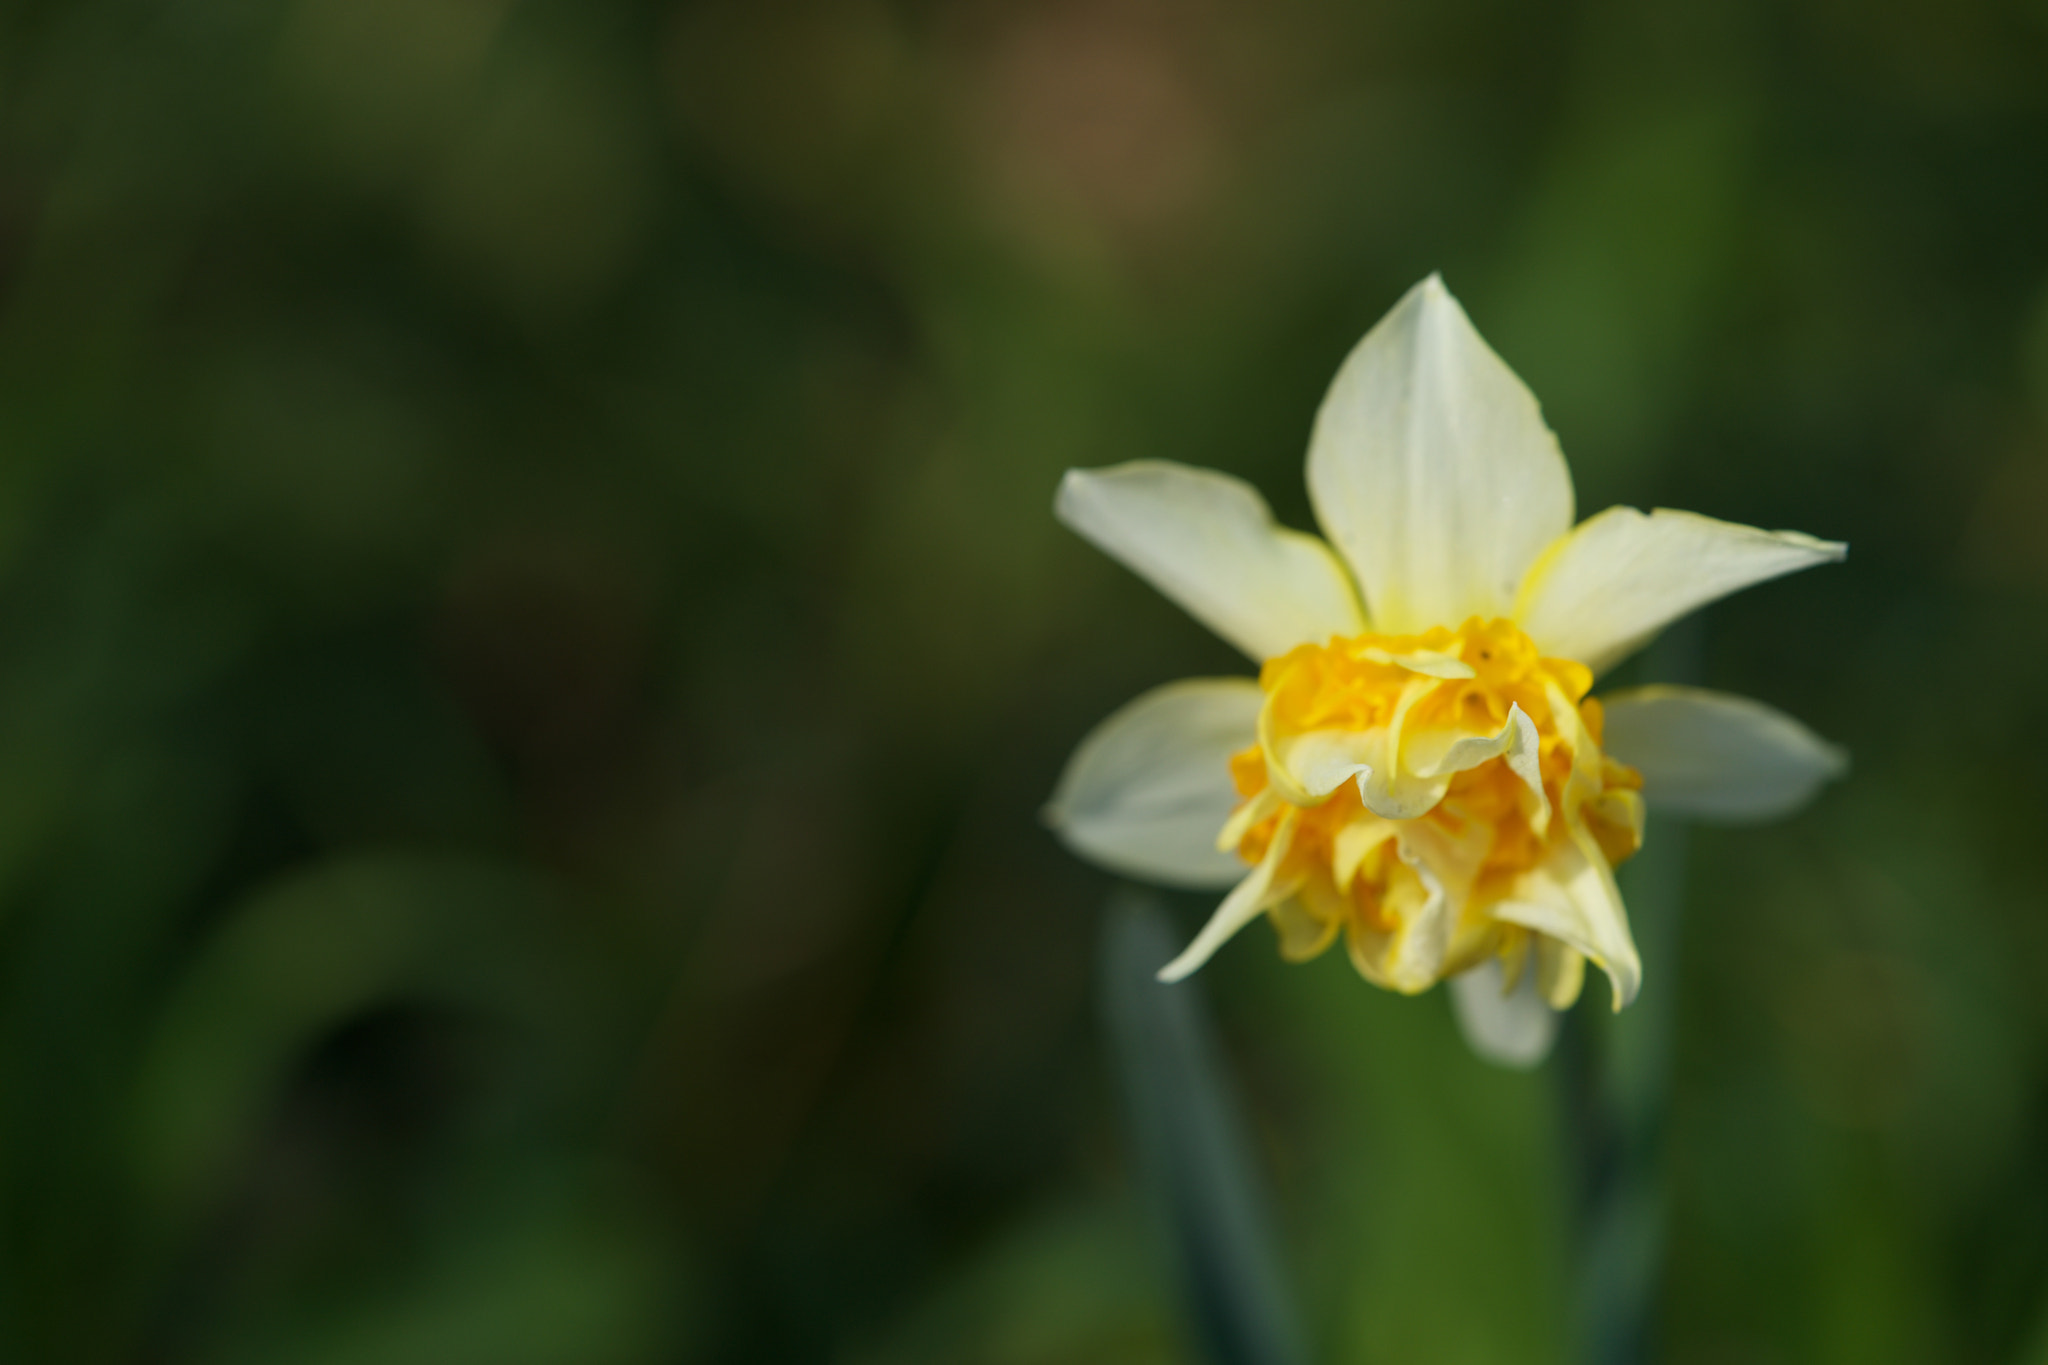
1419, 766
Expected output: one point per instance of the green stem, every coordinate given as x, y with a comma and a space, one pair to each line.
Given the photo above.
1616, 1095
1617, 1089
1190, 1145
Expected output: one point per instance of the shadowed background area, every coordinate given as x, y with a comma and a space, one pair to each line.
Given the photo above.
532, 641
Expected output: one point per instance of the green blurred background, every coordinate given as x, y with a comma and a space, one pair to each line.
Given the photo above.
532, 639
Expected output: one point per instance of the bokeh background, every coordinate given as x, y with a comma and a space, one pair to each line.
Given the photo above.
532, 641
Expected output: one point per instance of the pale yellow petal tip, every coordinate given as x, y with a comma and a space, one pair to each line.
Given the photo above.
1063, 496
1076, 482
1505, 1024
1622, 995
1827, 551
1823, 551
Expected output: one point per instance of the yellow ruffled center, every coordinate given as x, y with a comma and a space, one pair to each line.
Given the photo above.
1404, 703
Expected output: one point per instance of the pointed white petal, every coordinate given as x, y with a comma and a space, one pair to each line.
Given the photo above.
1602, 592
1572, 898
1511, 1028
1209, 542
1147, 790
1245, 903
1715, 755
1432, 471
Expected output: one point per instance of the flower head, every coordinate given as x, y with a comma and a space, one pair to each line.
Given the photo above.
1419, 767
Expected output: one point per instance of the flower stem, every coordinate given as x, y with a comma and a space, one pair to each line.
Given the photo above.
1615, 1076
1616, 1079
1190, 1145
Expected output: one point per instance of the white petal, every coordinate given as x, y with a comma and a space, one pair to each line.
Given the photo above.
1209, 542
1147, 790
1603, 591
1572, 898
1512, 1028
1432, 470
1716, 755
1245, 903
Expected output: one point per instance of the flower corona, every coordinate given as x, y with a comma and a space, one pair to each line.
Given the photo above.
1339, 868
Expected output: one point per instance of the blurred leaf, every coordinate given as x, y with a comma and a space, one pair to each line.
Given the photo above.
542, 1280
320, 947
1067, 1285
